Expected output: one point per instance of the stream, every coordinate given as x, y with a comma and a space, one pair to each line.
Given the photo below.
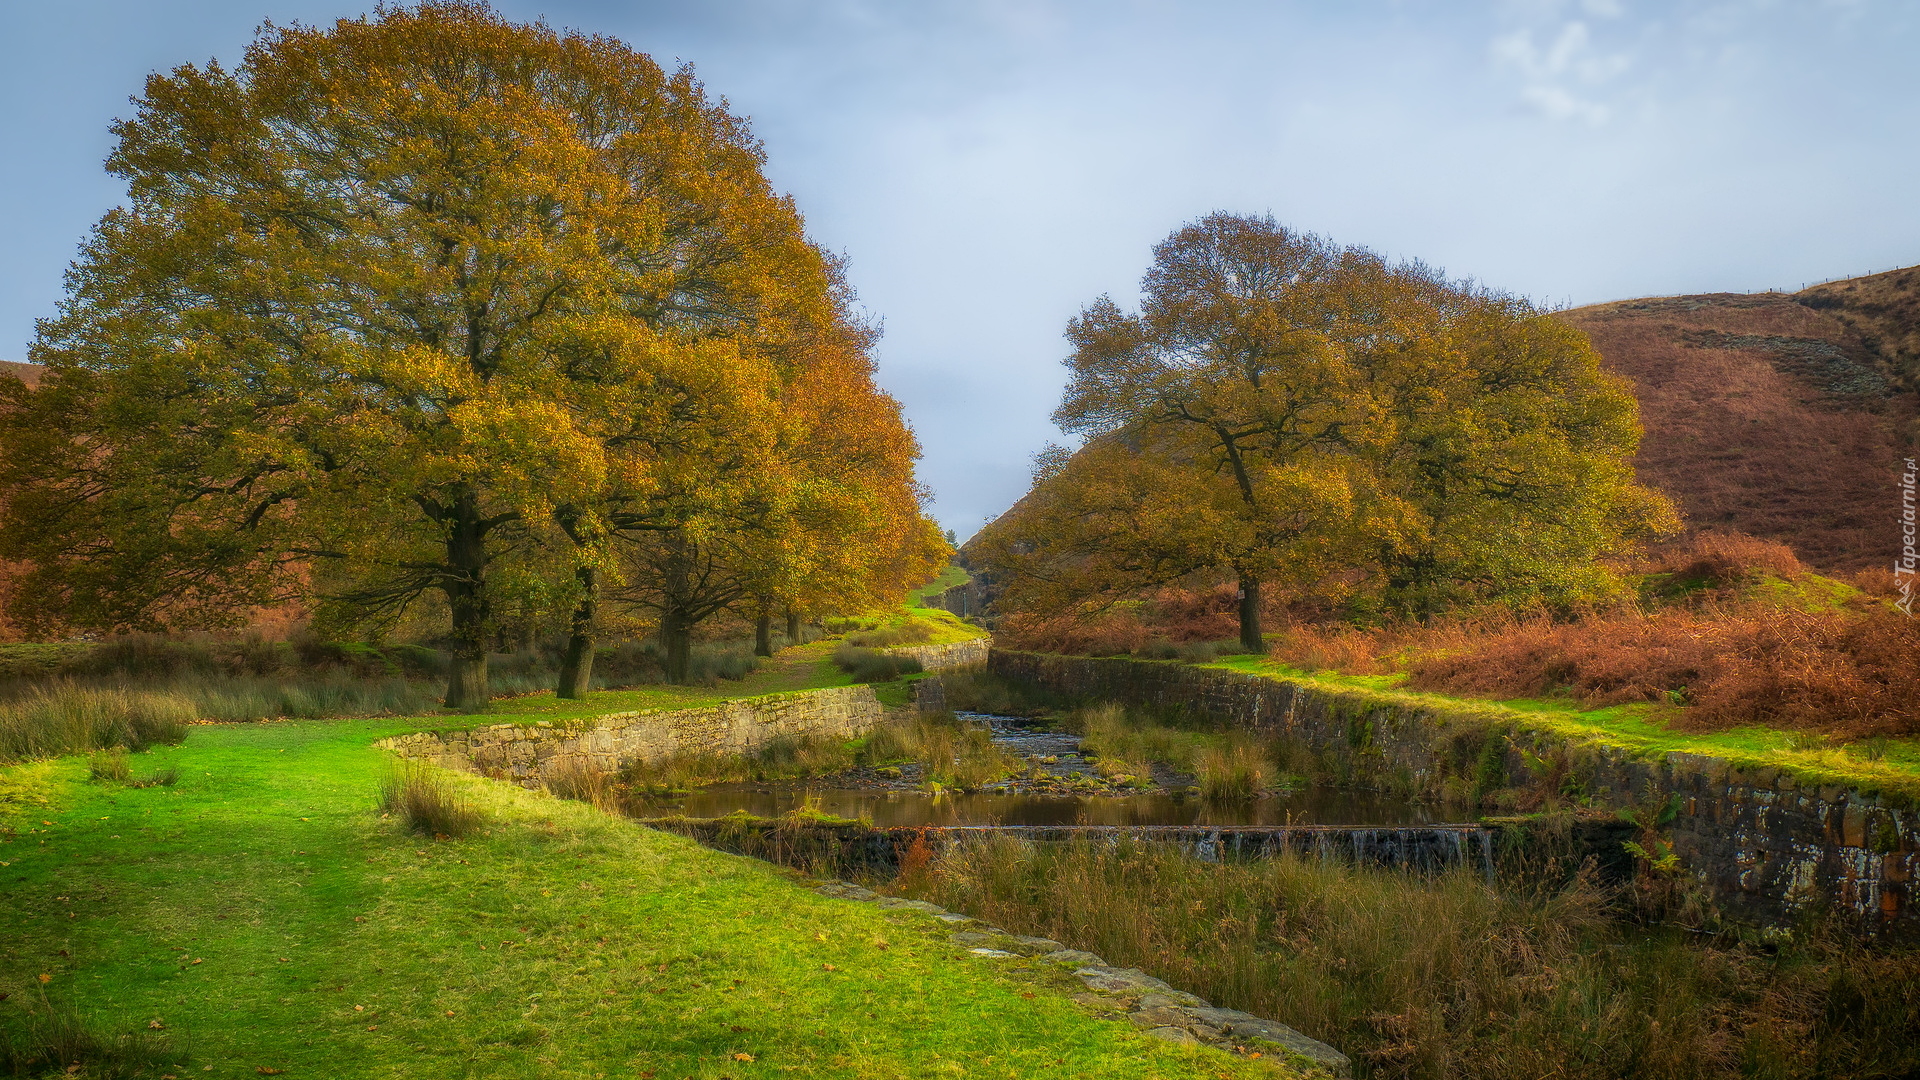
897, 801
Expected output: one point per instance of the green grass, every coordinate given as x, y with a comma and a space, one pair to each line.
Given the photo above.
950, 575
1638, 728
802, 667
265, 915
37, 658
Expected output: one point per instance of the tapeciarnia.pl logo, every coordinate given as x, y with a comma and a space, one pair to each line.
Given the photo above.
1905, 566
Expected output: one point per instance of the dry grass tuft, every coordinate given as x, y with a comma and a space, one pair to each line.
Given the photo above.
1444, 977
429, 802
64, 718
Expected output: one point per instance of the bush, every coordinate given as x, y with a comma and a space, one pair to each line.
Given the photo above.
428, 802
872, 665
1723, 559
63, 718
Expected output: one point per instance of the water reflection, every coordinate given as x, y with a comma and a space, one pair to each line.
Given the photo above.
1314, 806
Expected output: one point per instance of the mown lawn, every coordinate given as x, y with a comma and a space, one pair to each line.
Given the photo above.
1889, 765
266, 917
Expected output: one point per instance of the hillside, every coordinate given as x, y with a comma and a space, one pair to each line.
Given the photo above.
1780, 415
26, 373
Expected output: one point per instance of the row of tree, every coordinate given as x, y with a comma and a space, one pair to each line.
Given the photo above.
1289, 412
433, 305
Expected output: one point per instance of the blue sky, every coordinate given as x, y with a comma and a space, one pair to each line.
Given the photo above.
990, 166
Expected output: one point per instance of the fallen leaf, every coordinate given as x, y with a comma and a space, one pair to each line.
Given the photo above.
359, 1008
743, 1057
1028, 994
199, 961
156, 1025
45, 978
449, 1012
829, 967
737, 1027
371, 1027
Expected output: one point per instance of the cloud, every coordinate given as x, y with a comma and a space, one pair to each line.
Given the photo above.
1563, 78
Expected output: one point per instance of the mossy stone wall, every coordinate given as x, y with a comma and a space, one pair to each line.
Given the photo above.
1768, 848
525, 752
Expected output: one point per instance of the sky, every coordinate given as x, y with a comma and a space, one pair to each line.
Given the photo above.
989, 167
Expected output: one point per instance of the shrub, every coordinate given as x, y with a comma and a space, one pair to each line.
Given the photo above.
64, 718
872, 665
1723, 559
427, 801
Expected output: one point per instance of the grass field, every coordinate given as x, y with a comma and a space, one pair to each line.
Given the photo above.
1895, 766
262, 916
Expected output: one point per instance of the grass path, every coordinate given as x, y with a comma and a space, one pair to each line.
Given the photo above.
268, 918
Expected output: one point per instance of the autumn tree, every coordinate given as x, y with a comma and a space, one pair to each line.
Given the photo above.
393, 305
1281, 407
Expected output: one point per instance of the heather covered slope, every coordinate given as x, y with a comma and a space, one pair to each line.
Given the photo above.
1784, 416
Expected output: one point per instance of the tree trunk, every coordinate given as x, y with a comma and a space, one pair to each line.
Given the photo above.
1250, 639
793, 627
466, 590
763, 635
576, 667
676, 645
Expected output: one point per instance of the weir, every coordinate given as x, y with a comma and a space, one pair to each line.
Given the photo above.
1422, 848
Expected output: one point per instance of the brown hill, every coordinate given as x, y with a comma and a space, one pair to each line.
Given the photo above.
1785, 416
26, 373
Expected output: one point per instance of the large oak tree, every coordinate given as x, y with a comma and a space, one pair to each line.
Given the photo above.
393, 305
1282, 408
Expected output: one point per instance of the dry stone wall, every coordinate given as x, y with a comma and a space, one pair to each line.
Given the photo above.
1770, 849
528, 752
952, 655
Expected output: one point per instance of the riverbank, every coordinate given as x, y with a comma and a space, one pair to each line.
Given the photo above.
263, 917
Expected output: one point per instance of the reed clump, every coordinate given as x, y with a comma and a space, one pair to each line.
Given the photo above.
1442, 976
68, 718
954, 754
428, 802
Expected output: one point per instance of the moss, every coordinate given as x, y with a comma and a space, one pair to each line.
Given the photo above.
1886, 835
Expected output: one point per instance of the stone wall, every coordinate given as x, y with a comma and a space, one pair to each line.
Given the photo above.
952, 655
1767, 847
526, 752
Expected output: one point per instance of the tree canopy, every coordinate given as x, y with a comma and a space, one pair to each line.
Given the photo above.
404, 304
1282, 409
